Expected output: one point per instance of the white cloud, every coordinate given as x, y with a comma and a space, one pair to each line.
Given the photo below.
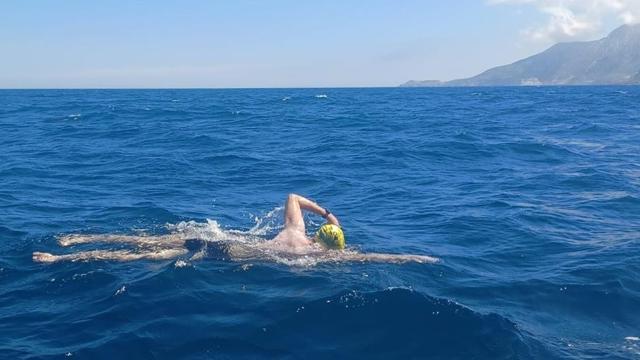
575, 19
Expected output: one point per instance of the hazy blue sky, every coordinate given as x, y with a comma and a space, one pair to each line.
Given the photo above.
282, 43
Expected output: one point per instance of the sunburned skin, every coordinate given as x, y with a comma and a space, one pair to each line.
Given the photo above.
292, 241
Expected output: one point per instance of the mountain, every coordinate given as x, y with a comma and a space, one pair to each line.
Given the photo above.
612, 60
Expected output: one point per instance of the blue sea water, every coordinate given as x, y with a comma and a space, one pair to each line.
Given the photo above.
529, 196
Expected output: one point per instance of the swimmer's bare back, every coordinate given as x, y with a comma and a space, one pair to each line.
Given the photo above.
293, 235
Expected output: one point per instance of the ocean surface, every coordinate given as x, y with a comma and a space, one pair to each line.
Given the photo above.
530, 197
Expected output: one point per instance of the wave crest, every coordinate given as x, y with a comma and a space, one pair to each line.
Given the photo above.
397, 323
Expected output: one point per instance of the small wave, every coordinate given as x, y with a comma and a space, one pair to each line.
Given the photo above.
141, 211
286, 98
74, 116
415, 325
577, 144
591, 129
321, 96
632, 345
604, 195
6, 232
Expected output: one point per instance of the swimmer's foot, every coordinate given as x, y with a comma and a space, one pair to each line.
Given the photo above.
44, 257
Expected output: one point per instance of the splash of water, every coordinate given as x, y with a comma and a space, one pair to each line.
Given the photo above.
212, 231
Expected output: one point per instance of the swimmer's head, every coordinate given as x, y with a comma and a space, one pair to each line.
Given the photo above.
330, 236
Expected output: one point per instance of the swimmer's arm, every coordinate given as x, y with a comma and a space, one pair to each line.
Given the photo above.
388, 258
313, 207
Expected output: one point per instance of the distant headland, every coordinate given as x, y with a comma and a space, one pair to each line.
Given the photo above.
613, 60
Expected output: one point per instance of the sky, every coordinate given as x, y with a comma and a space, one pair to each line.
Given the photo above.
283, 43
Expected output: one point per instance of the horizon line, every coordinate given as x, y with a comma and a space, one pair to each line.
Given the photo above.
319, 87
200, 88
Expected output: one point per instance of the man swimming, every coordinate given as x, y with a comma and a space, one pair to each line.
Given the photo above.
293, 236
327, 245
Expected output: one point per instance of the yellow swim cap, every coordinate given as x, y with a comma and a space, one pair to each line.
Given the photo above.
330, 236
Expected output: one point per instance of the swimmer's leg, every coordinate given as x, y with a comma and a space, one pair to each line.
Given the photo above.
170, 239
117, 255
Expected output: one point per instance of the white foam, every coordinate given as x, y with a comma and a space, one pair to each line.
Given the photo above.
632, 338
321, 96
268, 222
210, 231
120, 291
180, 264
81, 275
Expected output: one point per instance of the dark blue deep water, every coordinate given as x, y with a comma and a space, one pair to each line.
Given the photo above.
529, 196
